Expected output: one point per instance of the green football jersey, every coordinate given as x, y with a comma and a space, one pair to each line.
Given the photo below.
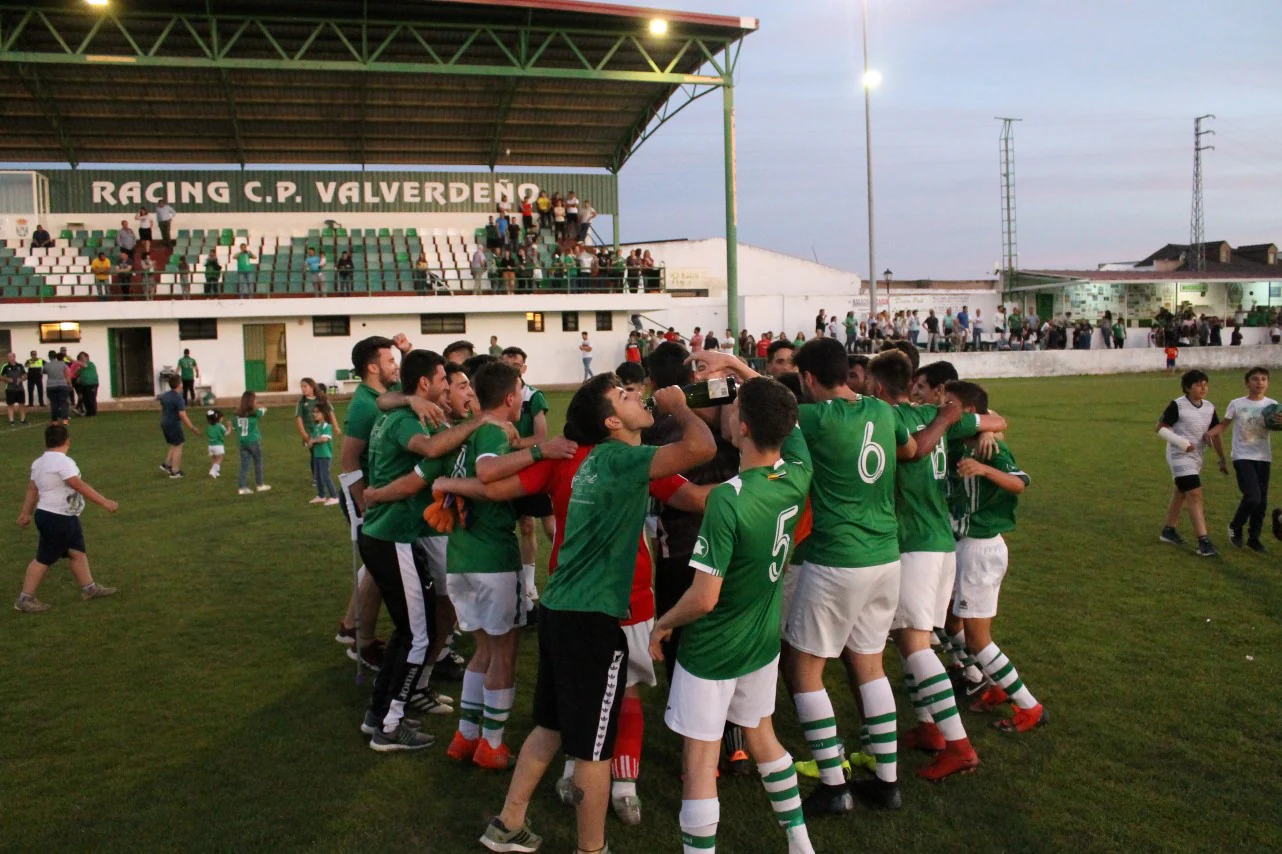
532, 403
389, 458
304, 409
980, 508
746, 533
322, 450
362, 412
489, 545
247, 427
603, 523
921, 487
187, 368
852, 492
216, 434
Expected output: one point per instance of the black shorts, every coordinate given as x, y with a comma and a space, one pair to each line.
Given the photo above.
14, 397
583, 666
173, 435
1188, 482
535, 506
58, 535
144, 234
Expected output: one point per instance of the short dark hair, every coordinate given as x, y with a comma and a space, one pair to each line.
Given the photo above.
175, 381
893, 371
493, 382
1192, 378
588, 409
516, 351
857, 360
908, 348
452, 368
1258, 369
459, 345
186, 352
213, 416
56, 435
416, 365
825, 360
667, 365
477, 362
792, 382
630, 373
970, 394
365, 353
937, 373
768, 409
781, 344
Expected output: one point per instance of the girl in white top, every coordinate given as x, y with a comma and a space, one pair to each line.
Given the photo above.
55, 499
144, 229
1252, 455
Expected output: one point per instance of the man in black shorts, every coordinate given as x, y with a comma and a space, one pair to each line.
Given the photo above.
583, 653
173, 416
12, 374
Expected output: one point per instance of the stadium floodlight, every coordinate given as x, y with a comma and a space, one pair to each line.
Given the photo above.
658, 27
872, 79
96, 2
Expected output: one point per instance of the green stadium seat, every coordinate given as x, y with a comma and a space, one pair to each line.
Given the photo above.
184, 232
94, 242
383, 232
403, 257
240, 232
327, 232
313, 232
97, 232
341, 232
196, 232
411, 232
65, 234
81, 234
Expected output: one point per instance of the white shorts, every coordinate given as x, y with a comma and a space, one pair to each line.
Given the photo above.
981, 566
432, 550
490, 602
842, 607
926, 582
699, 708
640, 664
217, 450
791, 578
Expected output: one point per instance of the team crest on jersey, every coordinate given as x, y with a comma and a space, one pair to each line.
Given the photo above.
700, 547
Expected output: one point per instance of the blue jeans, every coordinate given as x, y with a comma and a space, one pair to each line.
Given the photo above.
320, 474
250, 451
245, 283
587, 369
978, 334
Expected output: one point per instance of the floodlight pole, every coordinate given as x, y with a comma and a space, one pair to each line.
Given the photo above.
872, 259
732, 210
618, 206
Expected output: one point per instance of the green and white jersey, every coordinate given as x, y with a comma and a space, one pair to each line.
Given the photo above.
604, 517
322, 450
489, 545
305, 407
980, 508
852, 493
745, 537
532, 403
362, 412
921, 487
389, 458
187, 368
247, 427
216, 434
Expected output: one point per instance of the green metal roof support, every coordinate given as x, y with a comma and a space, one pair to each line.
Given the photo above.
732, 210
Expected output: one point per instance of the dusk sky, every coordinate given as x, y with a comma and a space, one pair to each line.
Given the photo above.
1107, 92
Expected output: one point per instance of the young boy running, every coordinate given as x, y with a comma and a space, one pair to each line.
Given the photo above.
728, 660
1185, 427
55, 499
983, 509
1252, 457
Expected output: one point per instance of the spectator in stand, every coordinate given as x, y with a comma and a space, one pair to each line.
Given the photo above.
821, 323
507, 269
500, 225
745, 351
1001, 325
589, 268
650, 272
1002, 339
41, 239
493, 240
572, 216
144, 228
833, 329
421, 269
124, 276
126, 240
977, 329
101, 269
797, 341
728, 343
671, 335
148, 269
763, 346
963, 328
633, 264
932, 332
184, 276
504, 207
1105, 325
1118, 333
213, 274
527, 215
710, 341
632, 353
313, 262
165, 219
544, 206
585, 352
946, 326
345, 267
696, 340
914, 329
587, 213
1235, 340
558, 217
480, 266
245, 270
852, 331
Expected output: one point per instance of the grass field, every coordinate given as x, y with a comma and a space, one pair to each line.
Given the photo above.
207, 707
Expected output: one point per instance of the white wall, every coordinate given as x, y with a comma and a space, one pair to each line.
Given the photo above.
1053, 363
702, 264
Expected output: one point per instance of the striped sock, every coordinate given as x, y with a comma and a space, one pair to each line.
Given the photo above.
879, 714
957, 647
1001, 671
935, 694
625, 767
910, 687
819, 725
471, 705
498, 705
699, 826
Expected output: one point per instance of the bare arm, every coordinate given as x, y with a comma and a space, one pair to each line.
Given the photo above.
1215, 432
691, 498
507, 489
426, 410
930, 435
540, 433
398, 490
302, 430
28, 504
187, 421
696, 446
446, 441
92, 494
971, 467
697, 601
491, 469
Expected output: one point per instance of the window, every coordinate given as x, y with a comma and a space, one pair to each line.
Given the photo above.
604, 321
198, 329
534, 321
439, 323
569, 321
331, 327
66, 332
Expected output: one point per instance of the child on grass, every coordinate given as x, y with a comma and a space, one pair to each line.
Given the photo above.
321, 441
216, 435
1172, 353
1186, 427
55, 499
247, 415
1252, 457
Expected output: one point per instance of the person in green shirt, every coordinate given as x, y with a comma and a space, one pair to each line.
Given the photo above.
1119, 332
189, 371
531, 429
728, 661
313, 396
321, 442
495, 350
246, 429
984, 509
88, 380
216, 436
245, 271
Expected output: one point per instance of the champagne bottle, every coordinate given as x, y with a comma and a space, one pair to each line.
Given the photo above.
714, 392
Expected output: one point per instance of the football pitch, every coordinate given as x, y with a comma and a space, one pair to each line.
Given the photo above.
207, 707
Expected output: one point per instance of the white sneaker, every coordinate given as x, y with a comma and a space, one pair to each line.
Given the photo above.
244, 492
262, 487
213, 473
330, 502
317, 500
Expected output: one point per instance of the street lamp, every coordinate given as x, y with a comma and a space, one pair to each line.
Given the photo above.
871, 80
887, 276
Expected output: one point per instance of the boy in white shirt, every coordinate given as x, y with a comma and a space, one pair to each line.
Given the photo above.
1252, 457
1186, 426
57, 496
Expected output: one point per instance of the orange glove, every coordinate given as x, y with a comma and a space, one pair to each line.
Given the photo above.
441, 517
